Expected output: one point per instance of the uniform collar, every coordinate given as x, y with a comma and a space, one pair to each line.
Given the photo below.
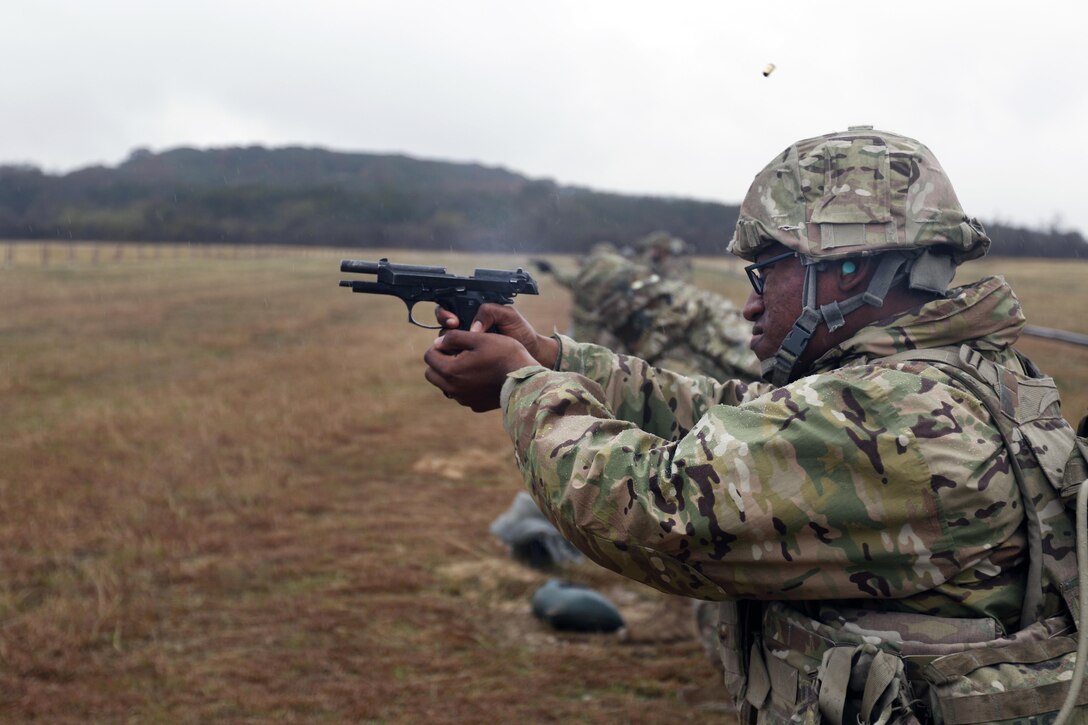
985, 314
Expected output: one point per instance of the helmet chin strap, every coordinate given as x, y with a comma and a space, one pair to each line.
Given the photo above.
779, 370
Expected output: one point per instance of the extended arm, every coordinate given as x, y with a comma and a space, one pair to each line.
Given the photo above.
796, 495
661, 402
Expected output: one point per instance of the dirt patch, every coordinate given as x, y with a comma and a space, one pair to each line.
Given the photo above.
460, 464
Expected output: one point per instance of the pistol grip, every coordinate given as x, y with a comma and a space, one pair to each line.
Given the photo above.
466, 309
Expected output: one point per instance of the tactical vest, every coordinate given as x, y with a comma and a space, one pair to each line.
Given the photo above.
863, 666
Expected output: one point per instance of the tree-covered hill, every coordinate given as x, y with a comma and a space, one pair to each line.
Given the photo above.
312, 196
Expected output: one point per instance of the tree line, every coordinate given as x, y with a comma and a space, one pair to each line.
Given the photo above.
316, 197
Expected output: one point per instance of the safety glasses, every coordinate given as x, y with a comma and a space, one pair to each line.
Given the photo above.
756, 274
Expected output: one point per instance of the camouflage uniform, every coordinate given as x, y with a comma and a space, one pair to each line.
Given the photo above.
860, 487
628, 308
730, 490
665, 254
569, 278
670, 323
867, 489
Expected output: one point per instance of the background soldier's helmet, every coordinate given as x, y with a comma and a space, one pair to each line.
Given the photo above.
669, 256
856, 193
661, 243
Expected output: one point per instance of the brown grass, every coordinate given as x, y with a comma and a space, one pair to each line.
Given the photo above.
229, 495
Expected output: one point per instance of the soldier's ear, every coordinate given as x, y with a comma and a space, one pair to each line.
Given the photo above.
852, 272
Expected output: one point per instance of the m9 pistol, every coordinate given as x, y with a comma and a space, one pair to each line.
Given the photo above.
414, 283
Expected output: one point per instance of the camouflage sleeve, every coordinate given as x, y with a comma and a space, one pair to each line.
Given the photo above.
681, 327
661, 402
565, 277
846, 485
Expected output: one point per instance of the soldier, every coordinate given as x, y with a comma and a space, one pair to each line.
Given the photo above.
883, 529
665, 254
628, 308
600, 275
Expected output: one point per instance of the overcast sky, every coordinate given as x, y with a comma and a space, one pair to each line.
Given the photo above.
627, 96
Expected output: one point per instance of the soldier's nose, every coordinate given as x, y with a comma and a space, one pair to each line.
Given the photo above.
753, 307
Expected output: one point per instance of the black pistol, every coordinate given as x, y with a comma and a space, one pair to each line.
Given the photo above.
462, 296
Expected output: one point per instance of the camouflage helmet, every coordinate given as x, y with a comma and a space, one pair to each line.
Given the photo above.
661, 242
856, 193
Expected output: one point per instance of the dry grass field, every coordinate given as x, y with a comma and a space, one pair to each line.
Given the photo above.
227, 494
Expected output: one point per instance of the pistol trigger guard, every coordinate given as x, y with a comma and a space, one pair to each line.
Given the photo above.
417, 323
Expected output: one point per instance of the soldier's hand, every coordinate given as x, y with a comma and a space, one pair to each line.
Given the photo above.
543, 265
507, 321
471, 367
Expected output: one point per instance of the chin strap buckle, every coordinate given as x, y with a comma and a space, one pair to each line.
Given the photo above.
794, 344
802, 331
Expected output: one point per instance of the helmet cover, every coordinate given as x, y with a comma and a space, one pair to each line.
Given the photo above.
856, 193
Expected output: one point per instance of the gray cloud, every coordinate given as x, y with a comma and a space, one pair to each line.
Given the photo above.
623, 96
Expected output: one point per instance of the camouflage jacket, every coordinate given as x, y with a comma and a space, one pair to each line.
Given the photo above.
860, 482
628, 308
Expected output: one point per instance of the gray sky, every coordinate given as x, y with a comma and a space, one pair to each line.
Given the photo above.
627, 96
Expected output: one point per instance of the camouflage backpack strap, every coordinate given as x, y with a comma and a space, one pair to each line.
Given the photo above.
1025, 410
1050, 463
744, 677
1076, 470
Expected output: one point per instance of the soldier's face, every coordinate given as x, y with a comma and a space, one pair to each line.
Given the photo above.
773, 313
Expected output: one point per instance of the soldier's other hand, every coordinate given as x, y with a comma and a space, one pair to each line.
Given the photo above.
543, 265
471, 367
506, 321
